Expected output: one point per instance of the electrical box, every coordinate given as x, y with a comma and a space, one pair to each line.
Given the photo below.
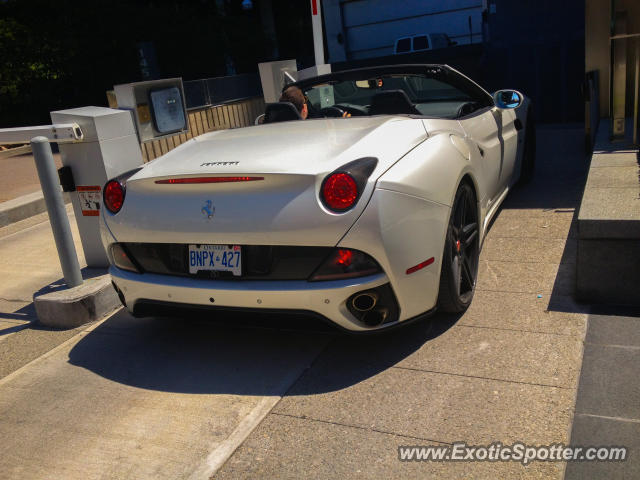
274, 76
108, 148
314, 71
158, 107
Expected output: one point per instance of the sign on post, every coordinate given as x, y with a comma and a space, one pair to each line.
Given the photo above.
90, 198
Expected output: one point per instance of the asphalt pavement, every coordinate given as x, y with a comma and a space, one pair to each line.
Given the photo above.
29, 266
266, 396
19, 176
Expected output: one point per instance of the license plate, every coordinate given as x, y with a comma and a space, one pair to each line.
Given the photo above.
220, 258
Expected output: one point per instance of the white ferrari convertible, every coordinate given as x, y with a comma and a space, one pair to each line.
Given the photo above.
370, 213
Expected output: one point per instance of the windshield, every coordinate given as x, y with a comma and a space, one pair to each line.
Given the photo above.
410, 94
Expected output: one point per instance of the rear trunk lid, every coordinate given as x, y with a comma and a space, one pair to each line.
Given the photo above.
281, 207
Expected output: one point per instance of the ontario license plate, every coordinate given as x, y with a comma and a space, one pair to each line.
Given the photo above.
221, 258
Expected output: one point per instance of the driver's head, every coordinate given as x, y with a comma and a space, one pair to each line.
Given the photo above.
294, 95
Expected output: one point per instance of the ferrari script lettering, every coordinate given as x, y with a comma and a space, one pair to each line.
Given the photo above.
217, 164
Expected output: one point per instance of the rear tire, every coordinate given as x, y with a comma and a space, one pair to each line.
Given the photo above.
461, 252
528, 168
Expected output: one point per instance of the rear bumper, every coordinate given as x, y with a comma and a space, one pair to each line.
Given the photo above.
398, 230
152, 308
327, 299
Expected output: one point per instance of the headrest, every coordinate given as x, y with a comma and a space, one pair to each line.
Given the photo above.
281, 112
390, 102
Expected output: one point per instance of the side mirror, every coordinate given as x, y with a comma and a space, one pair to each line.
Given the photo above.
505, 99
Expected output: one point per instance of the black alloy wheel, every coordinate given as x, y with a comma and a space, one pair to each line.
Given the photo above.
461, 251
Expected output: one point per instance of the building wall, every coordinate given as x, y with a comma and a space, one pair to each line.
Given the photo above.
597, 24
358, 29
538, 47
597, 50
632, 7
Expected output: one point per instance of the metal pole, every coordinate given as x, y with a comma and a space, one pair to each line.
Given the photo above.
619, 78
57, 212
636, 94
316, 26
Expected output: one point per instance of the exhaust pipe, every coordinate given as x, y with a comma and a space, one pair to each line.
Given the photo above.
364, 302
374, 318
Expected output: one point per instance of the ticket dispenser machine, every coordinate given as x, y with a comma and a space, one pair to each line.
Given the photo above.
109, 148
158, 107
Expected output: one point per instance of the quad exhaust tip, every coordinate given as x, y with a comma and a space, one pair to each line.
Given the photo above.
364, 302
374, 318
373, 307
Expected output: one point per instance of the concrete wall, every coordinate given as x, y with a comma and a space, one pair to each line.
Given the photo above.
597, 54
632, 7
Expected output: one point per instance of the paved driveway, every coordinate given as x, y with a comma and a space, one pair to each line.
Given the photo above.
18, 176
505, 371
173, 399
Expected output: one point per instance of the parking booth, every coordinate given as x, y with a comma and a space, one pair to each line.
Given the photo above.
111, 146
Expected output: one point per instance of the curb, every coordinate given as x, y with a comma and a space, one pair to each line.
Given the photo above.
76, 306
23, 207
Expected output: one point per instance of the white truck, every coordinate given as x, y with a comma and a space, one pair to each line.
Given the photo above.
357, 30
422, 42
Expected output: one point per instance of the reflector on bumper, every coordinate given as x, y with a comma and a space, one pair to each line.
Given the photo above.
121, 259
345, 263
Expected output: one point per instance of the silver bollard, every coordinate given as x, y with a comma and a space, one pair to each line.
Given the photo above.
57, 212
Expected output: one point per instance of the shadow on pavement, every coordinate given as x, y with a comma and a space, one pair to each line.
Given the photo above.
15, 328
349, 360
235, 356
560, 175
26, 314
561, 172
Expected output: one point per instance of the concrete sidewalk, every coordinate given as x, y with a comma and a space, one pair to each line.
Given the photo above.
18, 176
126, 398
20, 193
29, 266
608, 405
505, 371
156, 398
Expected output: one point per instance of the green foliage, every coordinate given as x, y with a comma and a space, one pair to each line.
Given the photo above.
22, 62
63, 54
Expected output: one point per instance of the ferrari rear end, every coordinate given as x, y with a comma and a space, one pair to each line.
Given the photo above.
286, 217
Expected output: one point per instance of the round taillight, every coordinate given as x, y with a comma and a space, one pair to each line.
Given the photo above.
339, 191
113, 196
